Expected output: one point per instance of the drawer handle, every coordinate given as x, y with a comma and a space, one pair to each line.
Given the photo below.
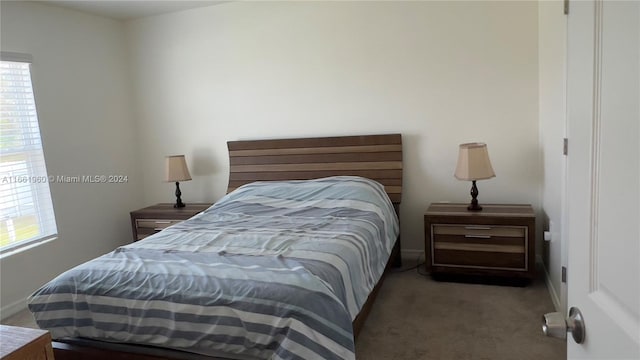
158, 229
162, 222
478, 236
477, 227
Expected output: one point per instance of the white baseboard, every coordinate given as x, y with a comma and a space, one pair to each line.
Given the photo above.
13, 308
552, 291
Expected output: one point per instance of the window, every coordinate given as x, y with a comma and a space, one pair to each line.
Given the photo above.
26, 211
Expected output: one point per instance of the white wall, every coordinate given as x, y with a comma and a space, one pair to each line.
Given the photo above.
80, 77
440, 73
552, 61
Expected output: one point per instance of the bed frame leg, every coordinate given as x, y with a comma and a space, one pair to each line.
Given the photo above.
397, 260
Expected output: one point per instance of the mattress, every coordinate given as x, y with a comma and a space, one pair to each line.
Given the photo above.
274, 270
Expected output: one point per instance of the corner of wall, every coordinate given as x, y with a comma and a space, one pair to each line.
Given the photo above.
553, 293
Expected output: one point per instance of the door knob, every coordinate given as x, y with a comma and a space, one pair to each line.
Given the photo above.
554, 324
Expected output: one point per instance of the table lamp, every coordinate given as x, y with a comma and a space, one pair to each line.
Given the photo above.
176, 170
474, 164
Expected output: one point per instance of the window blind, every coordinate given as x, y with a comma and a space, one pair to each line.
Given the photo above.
26, 210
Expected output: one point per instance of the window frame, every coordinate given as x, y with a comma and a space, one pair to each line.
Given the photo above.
27, 182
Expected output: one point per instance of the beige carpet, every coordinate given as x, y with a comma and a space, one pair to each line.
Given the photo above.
417, 318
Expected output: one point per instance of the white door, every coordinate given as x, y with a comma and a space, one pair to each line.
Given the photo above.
603, 176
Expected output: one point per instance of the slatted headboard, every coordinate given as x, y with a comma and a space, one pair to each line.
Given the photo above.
377, 157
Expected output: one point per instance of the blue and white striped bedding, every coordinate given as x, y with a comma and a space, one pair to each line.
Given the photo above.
274, 270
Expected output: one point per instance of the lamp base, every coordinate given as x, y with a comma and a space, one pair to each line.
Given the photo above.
474, 198
474, 207
179, 203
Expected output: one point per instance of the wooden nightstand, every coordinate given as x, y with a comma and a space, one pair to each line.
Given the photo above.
497, 241
150, 220
23, 343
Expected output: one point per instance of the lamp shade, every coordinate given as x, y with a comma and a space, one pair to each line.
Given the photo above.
473, 162
176, 169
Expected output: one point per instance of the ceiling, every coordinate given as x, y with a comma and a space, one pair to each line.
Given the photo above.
125, 9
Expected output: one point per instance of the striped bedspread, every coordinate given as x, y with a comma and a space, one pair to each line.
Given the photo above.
274, 270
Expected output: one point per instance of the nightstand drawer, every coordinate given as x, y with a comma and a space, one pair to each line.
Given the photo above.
479, 259
480, 231
492, 247
155, 224
146, 227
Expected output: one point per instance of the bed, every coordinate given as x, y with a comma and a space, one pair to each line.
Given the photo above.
225, 245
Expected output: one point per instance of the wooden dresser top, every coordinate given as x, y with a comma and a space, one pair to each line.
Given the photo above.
167, 209
14, 338
513, 210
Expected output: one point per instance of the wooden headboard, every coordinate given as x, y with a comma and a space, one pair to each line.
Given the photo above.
377, 157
